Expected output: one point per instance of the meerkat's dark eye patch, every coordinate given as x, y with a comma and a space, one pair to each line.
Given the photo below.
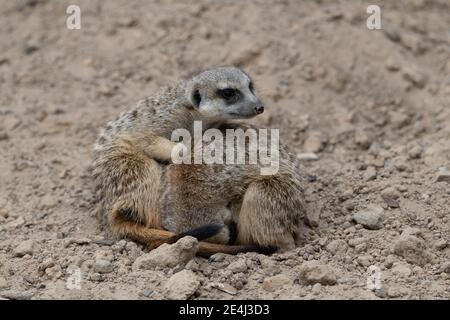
230, 95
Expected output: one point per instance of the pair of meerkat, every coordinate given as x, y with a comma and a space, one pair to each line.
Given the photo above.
234, 208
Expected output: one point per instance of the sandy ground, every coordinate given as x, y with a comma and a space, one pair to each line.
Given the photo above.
374, 106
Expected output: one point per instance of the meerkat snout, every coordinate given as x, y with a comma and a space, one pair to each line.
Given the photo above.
224, 93
259, 109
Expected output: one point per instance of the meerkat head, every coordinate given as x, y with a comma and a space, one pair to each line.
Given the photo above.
224, 93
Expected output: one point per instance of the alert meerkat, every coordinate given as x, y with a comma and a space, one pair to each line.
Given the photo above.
132, 153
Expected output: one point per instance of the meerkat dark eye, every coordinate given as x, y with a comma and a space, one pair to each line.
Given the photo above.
229, 94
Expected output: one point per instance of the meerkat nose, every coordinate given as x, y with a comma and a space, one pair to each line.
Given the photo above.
259, 109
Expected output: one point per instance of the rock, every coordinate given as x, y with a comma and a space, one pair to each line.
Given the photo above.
412, 249
307, 156
147, 293
60, 235
312, 217
399, 119
103, 266
192, 265
370, 174
106, 90
97, 277
48, 202
400, 163
182, 285
357, 241
31, 44
364, 261
78, 241
337, 80
440, 244
218, 257
415, 77
47, 263
375, 161
54, 272
238, 266
370, 218
380, 292
3, 283
395, 292
337, 247
104, 253
15, 223
390, 260
347, 194
277, 282
391, 195
412, 232
26, 247
445, 267
361, 247
401, 269
362, 140
443, 175
316, 289
315, 142
415, 152
225, 287
168, 255
4, 213
269, 266
392, 65
313, 271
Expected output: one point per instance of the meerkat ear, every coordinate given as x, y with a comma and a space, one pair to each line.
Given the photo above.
196, 98
192, 93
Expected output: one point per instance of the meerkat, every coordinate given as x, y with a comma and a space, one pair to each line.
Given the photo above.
132, 154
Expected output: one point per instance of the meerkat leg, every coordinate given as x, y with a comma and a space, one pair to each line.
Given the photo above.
268, 214
129, 183
162, 149
155, 147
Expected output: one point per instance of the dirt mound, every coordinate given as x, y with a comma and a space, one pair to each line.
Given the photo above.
370, 109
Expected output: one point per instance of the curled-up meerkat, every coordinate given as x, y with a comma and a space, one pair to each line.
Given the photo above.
132, 153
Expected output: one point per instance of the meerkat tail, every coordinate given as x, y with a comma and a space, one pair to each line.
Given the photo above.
201, 233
